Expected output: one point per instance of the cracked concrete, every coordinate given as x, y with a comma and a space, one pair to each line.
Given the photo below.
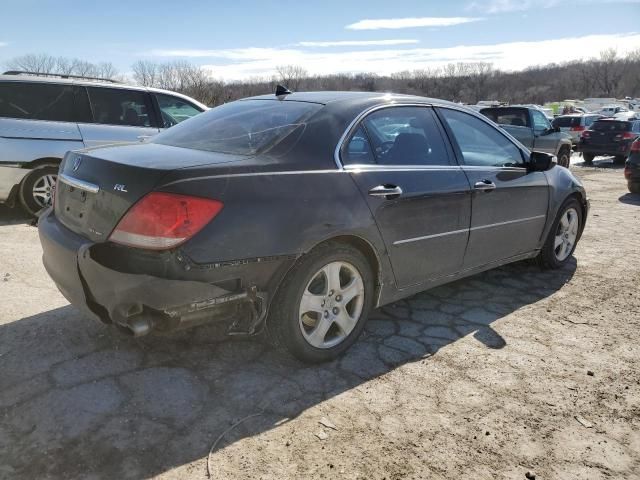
480, 378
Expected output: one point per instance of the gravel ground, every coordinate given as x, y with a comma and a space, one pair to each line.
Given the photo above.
510, 371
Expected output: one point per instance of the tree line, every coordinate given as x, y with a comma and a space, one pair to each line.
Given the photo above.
607, 75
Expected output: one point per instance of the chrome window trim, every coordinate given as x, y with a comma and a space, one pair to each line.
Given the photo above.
359, 117
367, 111
468, 230
79, 184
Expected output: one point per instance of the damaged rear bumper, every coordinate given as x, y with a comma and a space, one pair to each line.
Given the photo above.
141, 292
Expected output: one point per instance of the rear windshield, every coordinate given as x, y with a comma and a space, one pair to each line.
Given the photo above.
610, 126
517, 117
566, 122
244, 127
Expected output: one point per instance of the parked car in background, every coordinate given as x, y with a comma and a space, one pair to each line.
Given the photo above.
632, 168
609, 136
43, 117
627, 116
574, 124
611, 110
533, 129
299, 213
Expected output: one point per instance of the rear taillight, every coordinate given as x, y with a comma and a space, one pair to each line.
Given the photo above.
629, 135
160, 221
586, 134
579, 128
635, 146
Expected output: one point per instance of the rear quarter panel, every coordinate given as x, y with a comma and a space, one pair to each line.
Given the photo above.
279, 214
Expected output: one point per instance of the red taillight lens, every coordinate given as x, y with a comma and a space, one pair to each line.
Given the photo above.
586, 134
635, 146
160, 221
629, 135
579, 128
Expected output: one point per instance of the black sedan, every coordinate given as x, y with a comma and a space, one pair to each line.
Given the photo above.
299, 213
609, 136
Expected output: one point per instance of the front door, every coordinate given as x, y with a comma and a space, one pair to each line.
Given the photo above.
418, 197
119, 116
509, 204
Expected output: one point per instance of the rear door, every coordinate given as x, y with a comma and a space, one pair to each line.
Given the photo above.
509, 204
119, 115
420, 199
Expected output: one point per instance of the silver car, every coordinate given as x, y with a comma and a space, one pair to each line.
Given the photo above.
44, 116
575, 124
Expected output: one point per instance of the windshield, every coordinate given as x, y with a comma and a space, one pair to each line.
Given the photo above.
245, 127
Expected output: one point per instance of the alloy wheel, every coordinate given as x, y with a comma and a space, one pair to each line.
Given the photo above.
331, 305
43, 190
566, 234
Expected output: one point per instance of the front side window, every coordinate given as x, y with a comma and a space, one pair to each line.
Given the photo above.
244, 127
37, 101
481, 144
115, 106
174, 110
540, 122
405, 136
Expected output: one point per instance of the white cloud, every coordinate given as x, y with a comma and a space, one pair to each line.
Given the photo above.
358, 43
3, 44
244, 63
412, 22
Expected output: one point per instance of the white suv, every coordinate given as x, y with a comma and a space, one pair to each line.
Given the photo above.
44, 116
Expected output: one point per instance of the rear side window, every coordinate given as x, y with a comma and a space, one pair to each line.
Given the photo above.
175, 110
405, 136
357, 150
115, 106
37, 101
480, 143
610, 126
516, 117
564, 122
245, 127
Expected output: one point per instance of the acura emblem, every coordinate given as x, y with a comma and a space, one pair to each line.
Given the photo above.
76, 163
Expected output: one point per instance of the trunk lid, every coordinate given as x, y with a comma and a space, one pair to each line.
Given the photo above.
96, 187
608, 132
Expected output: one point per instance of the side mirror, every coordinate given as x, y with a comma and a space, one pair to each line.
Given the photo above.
539, 162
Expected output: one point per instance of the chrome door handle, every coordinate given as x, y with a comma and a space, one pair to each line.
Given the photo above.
387, 191
485, 185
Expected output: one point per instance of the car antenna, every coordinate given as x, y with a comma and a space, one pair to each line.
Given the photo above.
281, 91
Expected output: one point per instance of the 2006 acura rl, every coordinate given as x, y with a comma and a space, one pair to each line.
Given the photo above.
301, 212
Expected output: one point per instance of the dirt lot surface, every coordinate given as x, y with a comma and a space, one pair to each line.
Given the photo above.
510, 371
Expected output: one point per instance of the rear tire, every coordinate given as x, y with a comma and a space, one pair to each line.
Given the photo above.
619, 159
634, 188
564, 157
309, 310
36, 189
588, 158
563, 236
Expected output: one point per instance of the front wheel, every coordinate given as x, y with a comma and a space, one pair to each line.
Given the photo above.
563, 236
619, 159
564, 157
588, 158
322, 305
36, 189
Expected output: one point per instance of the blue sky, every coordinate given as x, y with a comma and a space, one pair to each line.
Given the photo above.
240, 38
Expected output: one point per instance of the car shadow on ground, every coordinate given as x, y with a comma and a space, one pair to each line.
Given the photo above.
630, 198
13, 216
78, 398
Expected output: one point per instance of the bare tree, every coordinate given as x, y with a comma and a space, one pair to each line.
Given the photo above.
291, 75
146, 73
